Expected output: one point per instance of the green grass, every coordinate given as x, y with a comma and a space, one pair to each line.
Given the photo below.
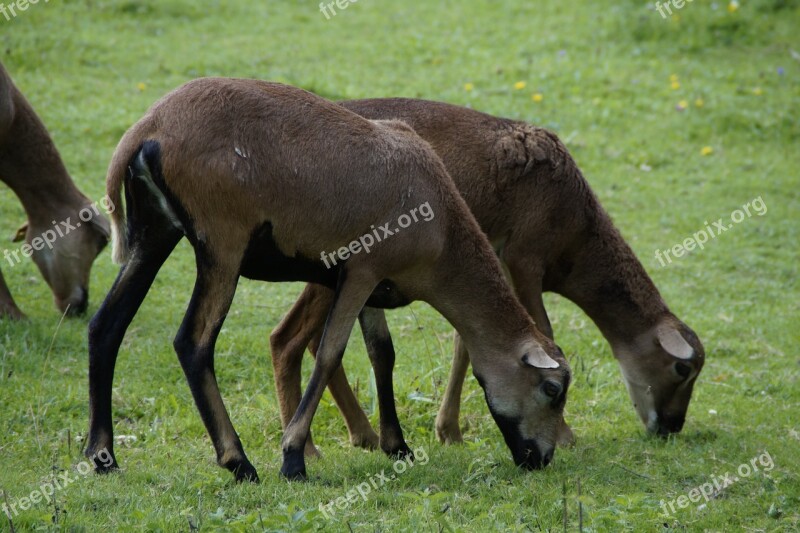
91, 68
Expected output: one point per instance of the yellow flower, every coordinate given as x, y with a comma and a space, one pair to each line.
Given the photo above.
733, 6
757, 91
141, 86
537, 97
675, 85
520, 85
468, 87
707, 150
699, 102
683, 104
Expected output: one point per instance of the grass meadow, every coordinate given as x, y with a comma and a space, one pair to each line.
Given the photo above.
676, 122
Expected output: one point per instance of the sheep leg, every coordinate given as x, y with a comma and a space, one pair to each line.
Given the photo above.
447, 429
352, 292
288, 344
194, 344
106, 331
358, 427
381, 353
302, 326
8, 308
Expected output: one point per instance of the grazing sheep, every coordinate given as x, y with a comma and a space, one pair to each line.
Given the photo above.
551, 234
263, 179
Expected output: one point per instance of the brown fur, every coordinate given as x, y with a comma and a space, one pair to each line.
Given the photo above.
551, 233
236, 156
31, 166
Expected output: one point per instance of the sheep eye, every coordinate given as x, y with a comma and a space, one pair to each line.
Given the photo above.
683, 370
551, 389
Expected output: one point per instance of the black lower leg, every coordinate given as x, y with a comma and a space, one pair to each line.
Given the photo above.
194, 344
106, 331
381, 354
152, 236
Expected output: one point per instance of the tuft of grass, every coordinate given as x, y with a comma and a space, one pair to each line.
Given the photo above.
603, 73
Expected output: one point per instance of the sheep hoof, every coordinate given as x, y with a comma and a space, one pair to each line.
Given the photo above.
103, 469
11, 311
367, 440
294, 466
246, 473
103, 461
312, 451
449, 434
402, 451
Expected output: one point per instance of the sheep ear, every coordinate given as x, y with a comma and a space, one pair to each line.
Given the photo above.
21, 232
537, 358
674, 344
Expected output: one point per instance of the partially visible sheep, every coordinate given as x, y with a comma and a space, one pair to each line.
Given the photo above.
64, 232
